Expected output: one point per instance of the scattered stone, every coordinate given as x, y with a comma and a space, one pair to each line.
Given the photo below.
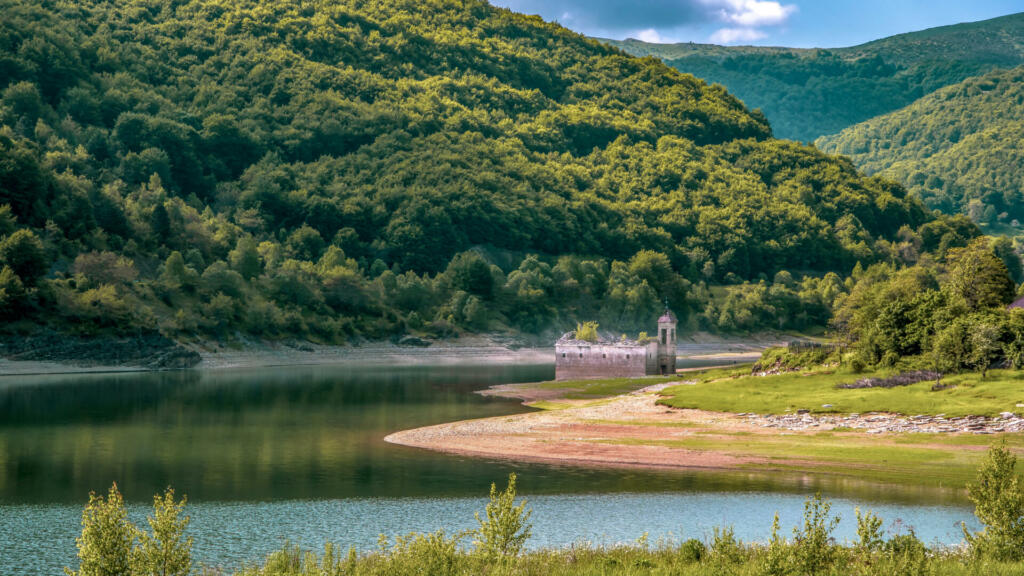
826, 405
875, 423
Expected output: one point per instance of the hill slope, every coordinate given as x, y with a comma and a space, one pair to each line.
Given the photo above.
961, 149
322, 168
810, 93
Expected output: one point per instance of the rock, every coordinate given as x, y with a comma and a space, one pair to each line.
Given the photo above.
826, 405
414, 341
143, 349
803, 411
1006, 415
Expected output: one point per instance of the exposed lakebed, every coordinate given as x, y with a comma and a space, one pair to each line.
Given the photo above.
297, 454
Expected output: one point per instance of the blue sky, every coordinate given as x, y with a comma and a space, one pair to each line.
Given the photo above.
796, 23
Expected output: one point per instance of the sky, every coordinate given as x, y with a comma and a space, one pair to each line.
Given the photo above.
794, 23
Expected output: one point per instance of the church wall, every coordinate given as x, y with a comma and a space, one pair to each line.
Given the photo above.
579, 361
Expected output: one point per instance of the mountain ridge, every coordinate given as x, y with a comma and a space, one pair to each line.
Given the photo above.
810, 92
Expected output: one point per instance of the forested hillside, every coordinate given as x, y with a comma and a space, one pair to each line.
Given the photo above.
339, 169
960, 149
811, 93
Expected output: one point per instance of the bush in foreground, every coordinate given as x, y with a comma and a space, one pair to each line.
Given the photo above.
111, 546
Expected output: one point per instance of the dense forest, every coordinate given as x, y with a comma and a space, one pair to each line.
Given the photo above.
958, 149
332, 170
808, 93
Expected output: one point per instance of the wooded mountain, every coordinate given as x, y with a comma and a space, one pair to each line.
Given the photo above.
808, 93
329, 169
960, 149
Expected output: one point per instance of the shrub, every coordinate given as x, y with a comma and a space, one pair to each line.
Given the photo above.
166, 551
435, 554
587, 332
506, 527
105, 546
907, 554
692, 551
777, 558
814, 547
999, 505
869, 531
725, 548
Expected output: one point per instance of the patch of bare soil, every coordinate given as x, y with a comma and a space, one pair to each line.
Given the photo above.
611, 433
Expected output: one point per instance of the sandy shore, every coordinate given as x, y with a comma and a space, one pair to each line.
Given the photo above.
608, 432
634, 431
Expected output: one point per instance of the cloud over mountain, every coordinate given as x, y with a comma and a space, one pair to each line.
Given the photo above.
661, 20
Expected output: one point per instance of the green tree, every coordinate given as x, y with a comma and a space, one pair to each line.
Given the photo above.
468, 271
999, 505
305, 244
245, 258
105, 546
505, 528
23, 252
978, 278
176, 275
166, 550
1004, 250
8, 221
12, 293
986, 346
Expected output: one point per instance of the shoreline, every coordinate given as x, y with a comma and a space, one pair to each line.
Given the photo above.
267, 355
633, 430
465, 350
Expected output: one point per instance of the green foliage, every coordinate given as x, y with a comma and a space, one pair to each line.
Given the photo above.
978, 277
586, 331
952, 315
505, 527
340, 166
692, 550
869, 531
999, 504
12, 293
957, 148
23, 253
814, 548
105, 546
166, 550
807, 93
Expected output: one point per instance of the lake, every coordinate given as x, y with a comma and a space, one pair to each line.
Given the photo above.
296, 454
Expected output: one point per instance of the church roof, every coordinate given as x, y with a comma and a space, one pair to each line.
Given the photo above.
668, 316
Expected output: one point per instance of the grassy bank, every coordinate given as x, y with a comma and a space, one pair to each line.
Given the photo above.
735, 390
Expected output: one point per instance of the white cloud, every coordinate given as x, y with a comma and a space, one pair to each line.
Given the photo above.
731, 35
650, 35
753, 13
664, 20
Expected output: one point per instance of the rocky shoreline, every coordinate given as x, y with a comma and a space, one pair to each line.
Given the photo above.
881, 423
143, 351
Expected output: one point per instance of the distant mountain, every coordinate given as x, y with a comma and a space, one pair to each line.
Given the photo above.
808, 93
960, 149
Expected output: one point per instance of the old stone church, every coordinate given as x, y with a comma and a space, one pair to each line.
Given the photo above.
577, 359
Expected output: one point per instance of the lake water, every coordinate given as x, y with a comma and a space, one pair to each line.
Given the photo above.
296, 454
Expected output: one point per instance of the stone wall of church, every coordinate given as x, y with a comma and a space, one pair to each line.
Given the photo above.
575, 361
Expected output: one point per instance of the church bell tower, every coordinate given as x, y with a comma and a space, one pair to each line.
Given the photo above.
667, 343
